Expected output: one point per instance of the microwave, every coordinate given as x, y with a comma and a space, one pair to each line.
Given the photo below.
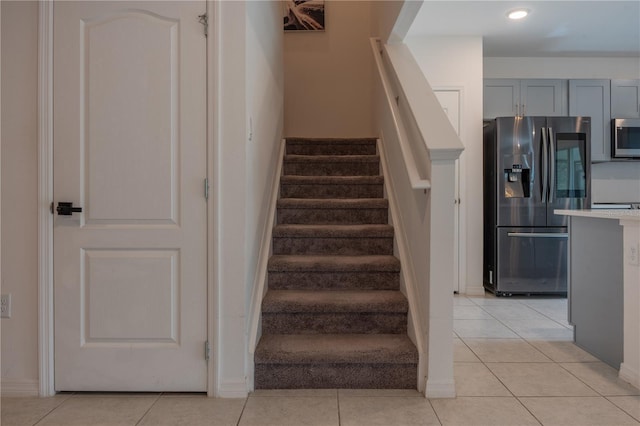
625, 138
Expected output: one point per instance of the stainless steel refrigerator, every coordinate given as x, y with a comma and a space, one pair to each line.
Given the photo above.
532, 166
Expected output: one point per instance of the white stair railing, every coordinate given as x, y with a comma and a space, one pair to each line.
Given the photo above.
418, 151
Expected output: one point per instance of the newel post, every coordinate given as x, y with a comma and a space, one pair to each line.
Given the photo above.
440, 382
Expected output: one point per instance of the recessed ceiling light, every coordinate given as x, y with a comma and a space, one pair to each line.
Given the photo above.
517, 14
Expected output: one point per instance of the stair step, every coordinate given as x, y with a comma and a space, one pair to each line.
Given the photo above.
333, 239
363, 312
331, 165
333, 272
333, 315
294, 301
296, 361
314, 146
332, 211
331, 186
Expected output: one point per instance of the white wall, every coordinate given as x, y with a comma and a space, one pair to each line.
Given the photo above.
561, 67
457, 62
229, 188
611, 182
265, 112
19, 194
384, 14
329, 75
615, 182
251, 89
391, 19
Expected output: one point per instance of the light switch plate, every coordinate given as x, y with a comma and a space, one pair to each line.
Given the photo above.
634, 256
5, 306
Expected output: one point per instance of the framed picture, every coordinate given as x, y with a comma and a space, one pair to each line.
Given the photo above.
304, 15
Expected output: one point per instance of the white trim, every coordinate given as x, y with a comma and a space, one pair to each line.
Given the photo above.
461, 230
233, 389
213, 213
260, 279
45, 198
628, 374
440, 389
408, 275
12, 387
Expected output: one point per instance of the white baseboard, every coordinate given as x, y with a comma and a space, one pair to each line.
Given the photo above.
474, 291
13, 387
630, 375
440, 389
233, 389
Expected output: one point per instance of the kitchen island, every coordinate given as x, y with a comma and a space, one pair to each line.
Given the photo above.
604, 286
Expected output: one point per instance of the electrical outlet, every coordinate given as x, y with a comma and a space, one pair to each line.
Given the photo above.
634, 256
5, 306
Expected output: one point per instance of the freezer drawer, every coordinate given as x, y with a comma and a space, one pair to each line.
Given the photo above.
532, 261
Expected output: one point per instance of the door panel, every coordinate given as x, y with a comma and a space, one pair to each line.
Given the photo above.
570, 163
532, 260
519, 173
114, 70
130, 149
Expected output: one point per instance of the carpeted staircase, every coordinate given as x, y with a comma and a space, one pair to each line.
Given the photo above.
333, 316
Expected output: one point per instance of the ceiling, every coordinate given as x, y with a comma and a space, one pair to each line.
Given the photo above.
553, 28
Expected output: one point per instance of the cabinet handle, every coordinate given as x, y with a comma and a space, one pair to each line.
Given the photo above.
523, 110
517, 110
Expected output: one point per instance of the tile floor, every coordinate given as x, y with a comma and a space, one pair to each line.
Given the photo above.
514, 365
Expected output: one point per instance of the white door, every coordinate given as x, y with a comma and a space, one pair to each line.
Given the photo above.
450, 101
130, 150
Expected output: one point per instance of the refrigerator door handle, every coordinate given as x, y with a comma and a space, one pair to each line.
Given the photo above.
545, 165
552, 165
538, 234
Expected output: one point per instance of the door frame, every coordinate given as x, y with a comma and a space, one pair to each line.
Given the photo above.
461, 173
46, 385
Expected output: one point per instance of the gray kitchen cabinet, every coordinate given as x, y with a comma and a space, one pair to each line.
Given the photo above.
591, 98
625, 98
516, 97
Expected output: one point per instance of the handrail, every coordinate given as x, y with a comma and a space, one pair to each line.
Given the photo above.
417, 182
432, 123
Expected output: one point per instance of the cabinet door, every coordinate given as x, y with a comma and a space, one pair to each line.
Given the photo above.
625, 98
543, 97
591, 98
501, 98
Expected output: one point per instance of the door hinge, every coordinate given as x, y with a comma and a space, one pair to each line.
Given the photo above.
206, 188
207, 350
204, 20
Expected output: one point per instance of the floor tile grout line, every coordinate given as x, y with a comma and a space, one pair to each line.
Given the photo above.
616, 405
244, 406
584, 396
149, 409
508, 303
552, 319
52, 410
338, 406
434, 411
583, 381
529, 411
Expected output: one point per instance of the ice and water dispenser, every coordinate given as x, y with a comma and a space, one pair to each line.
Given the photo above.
517, 179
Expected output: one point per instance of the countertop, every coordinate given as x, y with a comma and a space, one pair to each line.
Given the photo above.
619, 214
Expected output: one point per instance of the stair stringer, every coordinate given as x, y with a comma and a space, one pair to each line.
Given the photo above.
260, 279
408, 287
